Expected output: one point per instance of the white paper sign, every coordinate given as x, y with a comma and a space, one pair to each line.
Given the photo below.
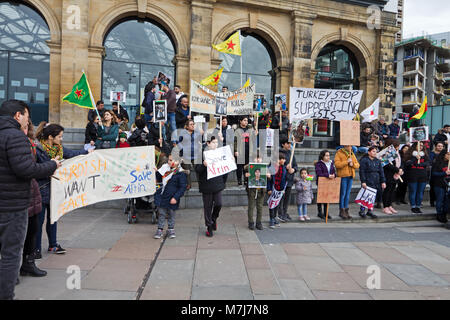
308, 103
275, 198
199, 119
269, 137
418, 134
220, 161
30, 82
118, 96
366, 197
102, 175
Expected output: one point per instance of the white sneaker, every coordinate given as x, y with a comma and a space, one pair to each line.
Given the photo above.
307, 218
302, 218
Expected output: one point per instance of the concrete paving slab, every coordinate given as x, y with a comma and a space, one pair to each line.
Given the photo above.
387, 280
177, 253
415, 275
275, 253
97, 239
169, 280
86, 294
251, 248
117, 274
350, 256
332, 281
263, 282
86, 259
339, 295
218, 241
268, 297
436, 248
371, 244
186, 236
415, 230
426, 257
256, 261
310, 263
386, 255
295, 289
285, 271
223, 267
246, 235
126, 248
304, 249
222, 293
433, 293
337, 245
394, 295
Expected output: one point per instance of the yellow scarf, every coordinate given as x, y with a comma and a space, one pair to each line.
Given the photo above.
53, 151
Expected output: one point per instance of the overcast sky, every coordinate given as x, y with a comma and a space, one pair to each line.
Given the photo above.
431, 16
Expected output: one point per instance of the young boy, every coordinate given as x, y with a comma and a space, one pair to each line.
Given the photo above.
278, 183
123, 141
167, 198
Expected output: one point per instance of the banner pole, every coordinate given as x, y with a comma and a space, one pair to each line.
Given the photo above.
326, 216
292, 152
241, 54
160, 134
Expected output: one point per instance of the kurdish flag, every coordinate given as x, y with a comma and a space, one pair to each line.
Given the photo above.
231, 46
421, 114
213, 79
81, 94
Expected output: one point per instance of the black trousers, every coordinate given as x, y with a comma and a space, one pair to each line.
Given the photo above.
432, 193
401, 190
212, 203
389, 194
30, 239
319, 208
284, 203
239, 172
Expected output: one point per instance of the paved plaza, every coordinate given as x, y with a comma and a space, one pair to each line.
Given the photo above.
301, 261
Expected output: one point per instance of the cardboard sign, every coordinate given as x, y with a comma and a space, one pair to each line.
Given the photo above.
275, 198
366, 197
234, 103
350, 133
220, 161
160, 110
258, 175
328, 190
258, 102
307, 103
389, 155
118, 96
418, 134
102, 175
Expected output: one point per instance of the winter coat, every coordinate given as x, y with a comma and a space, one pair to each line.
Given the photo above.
263, 121
180, 118
35, 200
365, 139
271, 182
304, 196
416, 170
110, 136
438, 174
382, 129
123, 112
389, 171
394, 130
289, 176
17, 167
92, 114
212, 185
227, 134
371, 172
43, 157
90, 134
322, 170
440, 137
138, 138
148, 102
242, 135
191, 142
175, 188
341, 163
284, 124
171, 98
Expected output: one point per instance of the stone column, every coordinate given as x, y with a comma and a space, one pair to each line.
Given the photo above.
301, 27
94, 70
74, 58
182, 71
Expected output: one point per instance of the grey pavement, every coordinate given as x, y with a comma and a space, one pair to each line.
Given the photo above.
297, 261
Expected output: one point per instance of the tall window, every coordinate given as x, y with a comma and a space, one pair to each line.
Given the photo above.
338, 69
135, 52
24, 58
257, 62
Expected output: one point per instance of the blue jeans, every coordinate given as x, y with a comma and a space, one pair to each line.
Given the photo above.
416, 190
173, 126
346, 188
162, 218
302, 209
50, 228
440, 199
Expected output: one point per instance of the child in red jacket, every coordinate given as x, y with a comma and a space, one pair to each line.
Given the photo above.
123, 143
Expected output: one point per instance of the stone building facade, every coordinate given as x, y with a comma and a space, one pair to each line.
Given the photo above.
295, 30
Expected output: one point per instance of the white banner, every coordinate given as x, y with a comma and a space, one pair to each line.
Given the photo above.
102, 175
220, 161
275, 198
308, 103
366, 197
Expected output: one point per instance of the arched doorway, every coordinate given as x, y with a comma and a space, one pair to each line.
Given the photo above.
136, 51
337, 68
24, 58
258, 61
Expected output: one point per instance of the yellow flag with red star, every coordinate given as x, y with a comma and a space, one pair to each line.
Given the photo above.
231, 46
81, 94
213, 79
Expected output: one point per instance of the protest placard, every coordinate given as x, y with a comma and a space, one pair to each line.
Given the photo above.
403, 117
204, 100
160, 110
328, 190
350, 134
118, 96
275, 198
258, 175
280, 102
220, 161
258, 102
366, 197
388, 155
269, 137
308, 103
418, 134
106, 174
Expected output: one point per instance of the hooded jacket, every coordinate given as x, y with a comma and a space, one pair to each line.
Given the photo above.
371, 172
341, 163
17, 167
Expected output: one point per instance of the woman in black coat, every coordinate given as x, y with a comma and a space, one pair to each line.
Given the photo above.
440, 175
90, 134
211, 190
392, 172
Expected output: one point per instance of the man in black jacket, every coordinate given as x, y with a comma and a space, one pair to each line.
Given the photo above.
101, 111
17, 168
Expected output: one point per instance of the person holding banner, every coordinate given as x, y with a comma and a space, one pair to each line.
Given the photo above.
440, 175
324, 168
49, 147
107, 135
346, 165
416, 171
211, 190
371, 175
225, 135
291, 167
276, 185
100, 108
285, 124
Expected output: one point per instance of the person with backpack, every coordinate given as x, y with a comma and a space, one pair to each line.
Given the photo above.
139, 137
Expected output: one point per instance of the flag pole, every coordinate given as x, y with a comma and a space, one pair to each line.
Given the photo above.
92, 99
240, 41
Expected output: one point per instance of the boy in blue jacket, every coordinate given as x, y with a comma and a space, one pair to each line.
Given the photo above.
278, 182
167, 198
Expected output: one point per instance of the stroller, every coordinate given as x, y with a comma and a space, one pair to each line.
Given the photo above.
145, 204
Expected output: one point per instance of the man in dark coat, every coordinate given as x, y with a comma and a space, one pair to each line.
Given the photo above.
17, 169
372, 175
283, 215
101, 111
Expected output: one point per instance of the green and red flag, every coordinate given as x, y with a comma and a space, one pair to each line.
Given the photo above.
81, 94
421, 114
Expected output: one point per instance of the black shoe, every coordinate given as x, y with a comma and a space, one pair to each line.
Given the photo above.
57, 249
214, 226
29, 268
239, 183
370, 214
259, 226
321, 216
378, 205
329, 217
287, 218
442, 217
251, 226
418, 210
282, 218
37, 254
414, 210
362, 214
209, 232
